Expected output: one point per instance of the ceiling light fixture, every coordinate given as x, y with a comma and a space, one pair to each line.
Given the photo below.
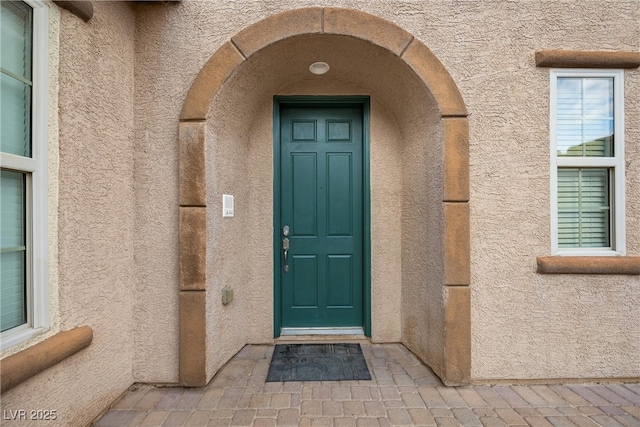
319, 68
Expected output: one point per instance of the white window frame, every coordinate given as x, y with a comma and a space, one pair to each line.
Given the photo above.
36, 169
617, 200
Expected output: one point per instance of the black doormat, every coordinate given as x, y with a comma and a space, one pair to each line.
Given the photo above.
318, 362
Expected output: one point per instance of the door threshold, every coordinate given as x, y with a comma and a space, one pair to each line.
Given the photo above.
321, 331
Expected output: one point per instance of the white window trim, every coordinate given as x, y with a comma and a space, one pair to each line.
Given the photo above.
618, 235
38, 318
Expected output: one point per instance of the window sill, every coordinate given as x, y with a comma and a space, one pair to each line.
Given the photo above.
27, 363
588, 265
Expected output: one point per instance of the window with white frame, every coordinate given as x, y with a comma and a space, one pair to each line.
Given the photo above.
587, 162
24, 296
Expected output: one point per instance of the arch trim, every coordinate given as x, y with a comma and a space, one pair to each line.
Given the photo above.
455, 368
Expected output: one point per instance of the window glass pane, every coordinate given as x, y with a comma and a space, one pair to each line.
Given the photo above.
13, 297
583, 208
15, 116
584, 117
15, 44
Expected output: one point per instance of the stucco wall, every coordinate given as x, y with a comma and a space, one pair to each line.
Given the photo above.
240, 162
520, 320
96, 216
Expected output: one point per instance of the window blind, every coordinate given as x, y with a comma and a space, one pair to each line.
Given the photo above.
15, 138
15, 78
584, 112
12, 250
583, 208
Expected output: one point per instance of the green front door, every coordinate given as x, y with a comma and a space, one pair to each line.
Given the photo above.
321, 203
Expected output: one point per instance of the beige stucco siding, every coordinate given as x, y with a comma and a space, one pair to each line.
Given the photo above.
96, 216
518, 317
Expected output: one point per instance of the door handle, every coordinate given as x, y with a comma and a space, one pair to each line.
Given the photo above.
285, 247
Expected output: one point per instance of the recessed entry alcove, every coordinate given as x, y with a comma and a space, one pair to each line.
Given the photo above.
417, 277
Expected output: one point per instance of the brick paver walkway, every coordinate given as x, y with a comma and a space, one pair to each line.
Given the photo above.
402, 392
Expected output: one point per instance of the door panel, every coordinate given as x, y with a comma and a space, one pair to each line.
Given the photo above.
321, 200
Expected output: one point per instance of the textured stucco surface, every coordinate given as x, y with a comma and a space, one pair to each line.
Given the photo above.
53, 157
519, 319
96, 217
122, 79
504, 93
240, 162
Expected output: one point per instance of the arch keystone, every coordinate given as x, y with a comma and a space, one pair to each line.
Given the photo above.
366, 27
278, 27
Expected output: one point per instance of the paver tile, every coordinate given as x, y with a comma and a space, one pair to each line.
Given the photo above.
171, 398
345, 422
447, 422
529, 412
320, 392
621, 390
352, 408
473, 399
610, 396
510, 417
589, 395
280, 400
530, 396
190, 399
605, 421
451, 397
612, 410
549, 412
627, 420
492, 422
119, 417
311, 408
367, 422
340, 393
176, 418
441, 412
209, 399
374, 408
405, 393
493, 399
131, 397
560, 422
466, 417
265, 422
360, 393
538, 422
485, 412
413, 400
151, 398
154, 418
582, 421
569, 410
431, 397
569, 395
389, 393
421, 416
590, 410
511, 397
331, 409
632, 410
243, 417
549, 395
288, 417
199, 418
399, 417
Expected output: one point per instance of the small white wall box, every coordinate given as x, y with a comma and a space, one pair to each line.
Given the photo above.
227, 206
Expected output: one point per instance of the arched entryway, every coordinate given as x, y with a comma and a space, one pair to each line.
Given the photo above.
419, 136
